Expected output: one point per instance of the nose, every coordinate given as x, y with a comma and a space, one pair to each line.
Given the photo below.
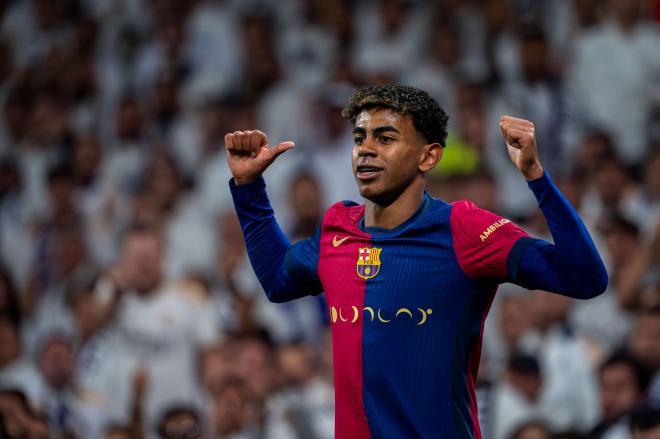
366, 149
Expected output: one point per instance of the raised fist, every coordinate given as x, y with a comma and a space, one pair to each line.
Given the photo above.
521, 146
248, 154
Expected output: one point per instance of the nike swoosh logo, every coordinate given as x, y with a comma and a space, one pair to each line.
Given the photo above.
337, 242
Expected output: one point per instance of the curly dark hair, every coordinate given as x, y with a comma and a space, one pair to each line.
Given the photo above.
427, 115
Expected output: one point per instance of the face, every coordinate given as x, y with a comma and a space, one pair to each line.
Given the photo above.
87, 313
535, 59
295, 363
387, 154
255, 367
618, 390
57, 363
230, 409
216, 366
549, 308
529, 384
645, 340
86, 158
306, 199
514, 318
611, 180
142, 261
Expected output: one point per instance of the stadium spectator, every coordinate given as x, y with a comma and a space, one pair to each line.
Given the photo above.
231, 412
512, 323
623, 384
645, 345
17, 371
116, 110
306, 397
569, 396
64, 407
517, 398
616, 50
637, 285
159, 326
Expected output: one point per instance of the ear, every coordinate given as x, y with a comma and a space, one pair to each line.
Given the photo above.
430, 157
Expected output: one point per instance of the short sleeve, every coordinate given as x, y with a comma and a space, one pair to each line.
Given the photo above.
482, 240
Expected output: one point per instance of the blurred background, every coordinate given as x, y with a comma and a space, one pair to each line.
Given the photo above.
127, 306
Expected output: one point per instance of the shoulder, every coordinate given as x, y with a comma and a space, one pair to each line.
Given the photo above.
468, 218
463, 211
462, 206
344, 214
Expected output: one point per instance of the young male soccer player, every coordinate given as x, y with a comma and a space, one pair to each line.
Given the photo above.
408, 279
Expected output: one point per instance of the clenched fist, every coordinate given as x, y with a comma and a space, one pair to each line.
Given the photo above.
521, 146
248, 154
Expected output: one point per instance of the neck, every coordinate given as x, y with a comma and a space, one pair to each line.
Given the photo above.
395, 213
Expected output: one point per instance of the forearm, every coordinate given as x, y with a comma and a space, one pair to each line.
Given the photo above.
266, 244
572, 265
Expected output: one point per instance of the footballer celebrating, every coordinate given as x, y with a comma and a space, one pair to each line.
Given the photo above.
408, 278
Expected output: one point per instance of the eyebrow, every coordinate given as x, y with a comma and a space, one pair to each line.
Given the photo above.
377, 130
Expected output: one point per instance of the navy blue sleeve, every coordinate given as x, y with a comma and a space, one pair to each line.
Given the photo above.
286, 271
571, 266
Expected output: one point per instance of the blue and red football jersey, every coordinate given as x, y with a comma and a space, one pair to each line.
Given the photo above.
407, 308
407, 305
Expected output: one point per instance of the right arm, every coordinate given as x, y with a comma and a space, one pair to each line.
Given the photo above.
286, 271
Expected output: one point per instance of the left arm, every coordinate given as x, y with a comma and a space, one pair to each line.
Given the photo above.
572, 265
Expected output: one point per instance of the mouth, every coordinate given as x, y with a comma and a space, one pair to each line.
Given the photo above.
367, 172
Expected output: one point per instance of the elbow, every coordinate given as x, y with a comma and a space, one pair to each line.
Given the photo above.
596, 289
601, 281
275, 296
593, 287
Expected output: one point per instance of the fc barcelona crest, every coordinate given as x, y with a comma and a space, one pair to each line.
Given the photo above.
368, 263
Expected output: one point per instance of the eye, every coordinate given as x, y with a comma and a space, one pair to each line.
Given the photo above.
358, 140
386, 139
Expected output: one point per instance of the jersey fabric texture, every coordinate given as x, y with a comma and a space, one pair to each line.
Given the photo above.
407, 308
407, 305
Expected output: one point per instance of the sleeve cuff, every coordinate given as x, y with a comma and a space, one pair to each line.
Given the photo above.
540, 182
544, 189
243, 190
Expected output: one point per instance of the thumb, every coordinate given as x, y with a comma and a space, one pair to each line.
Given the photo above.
281, 148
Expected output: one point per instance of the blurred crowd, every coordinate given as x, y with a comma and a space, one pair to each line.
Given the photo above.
127, 306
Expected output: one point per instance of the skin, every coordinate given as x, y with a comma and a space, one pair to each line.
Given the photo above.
141, 263
618, 390
651, 433
387, 141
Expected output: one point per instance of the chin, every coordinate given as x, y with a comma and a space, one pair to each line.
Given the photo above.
376, 195
368, 192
